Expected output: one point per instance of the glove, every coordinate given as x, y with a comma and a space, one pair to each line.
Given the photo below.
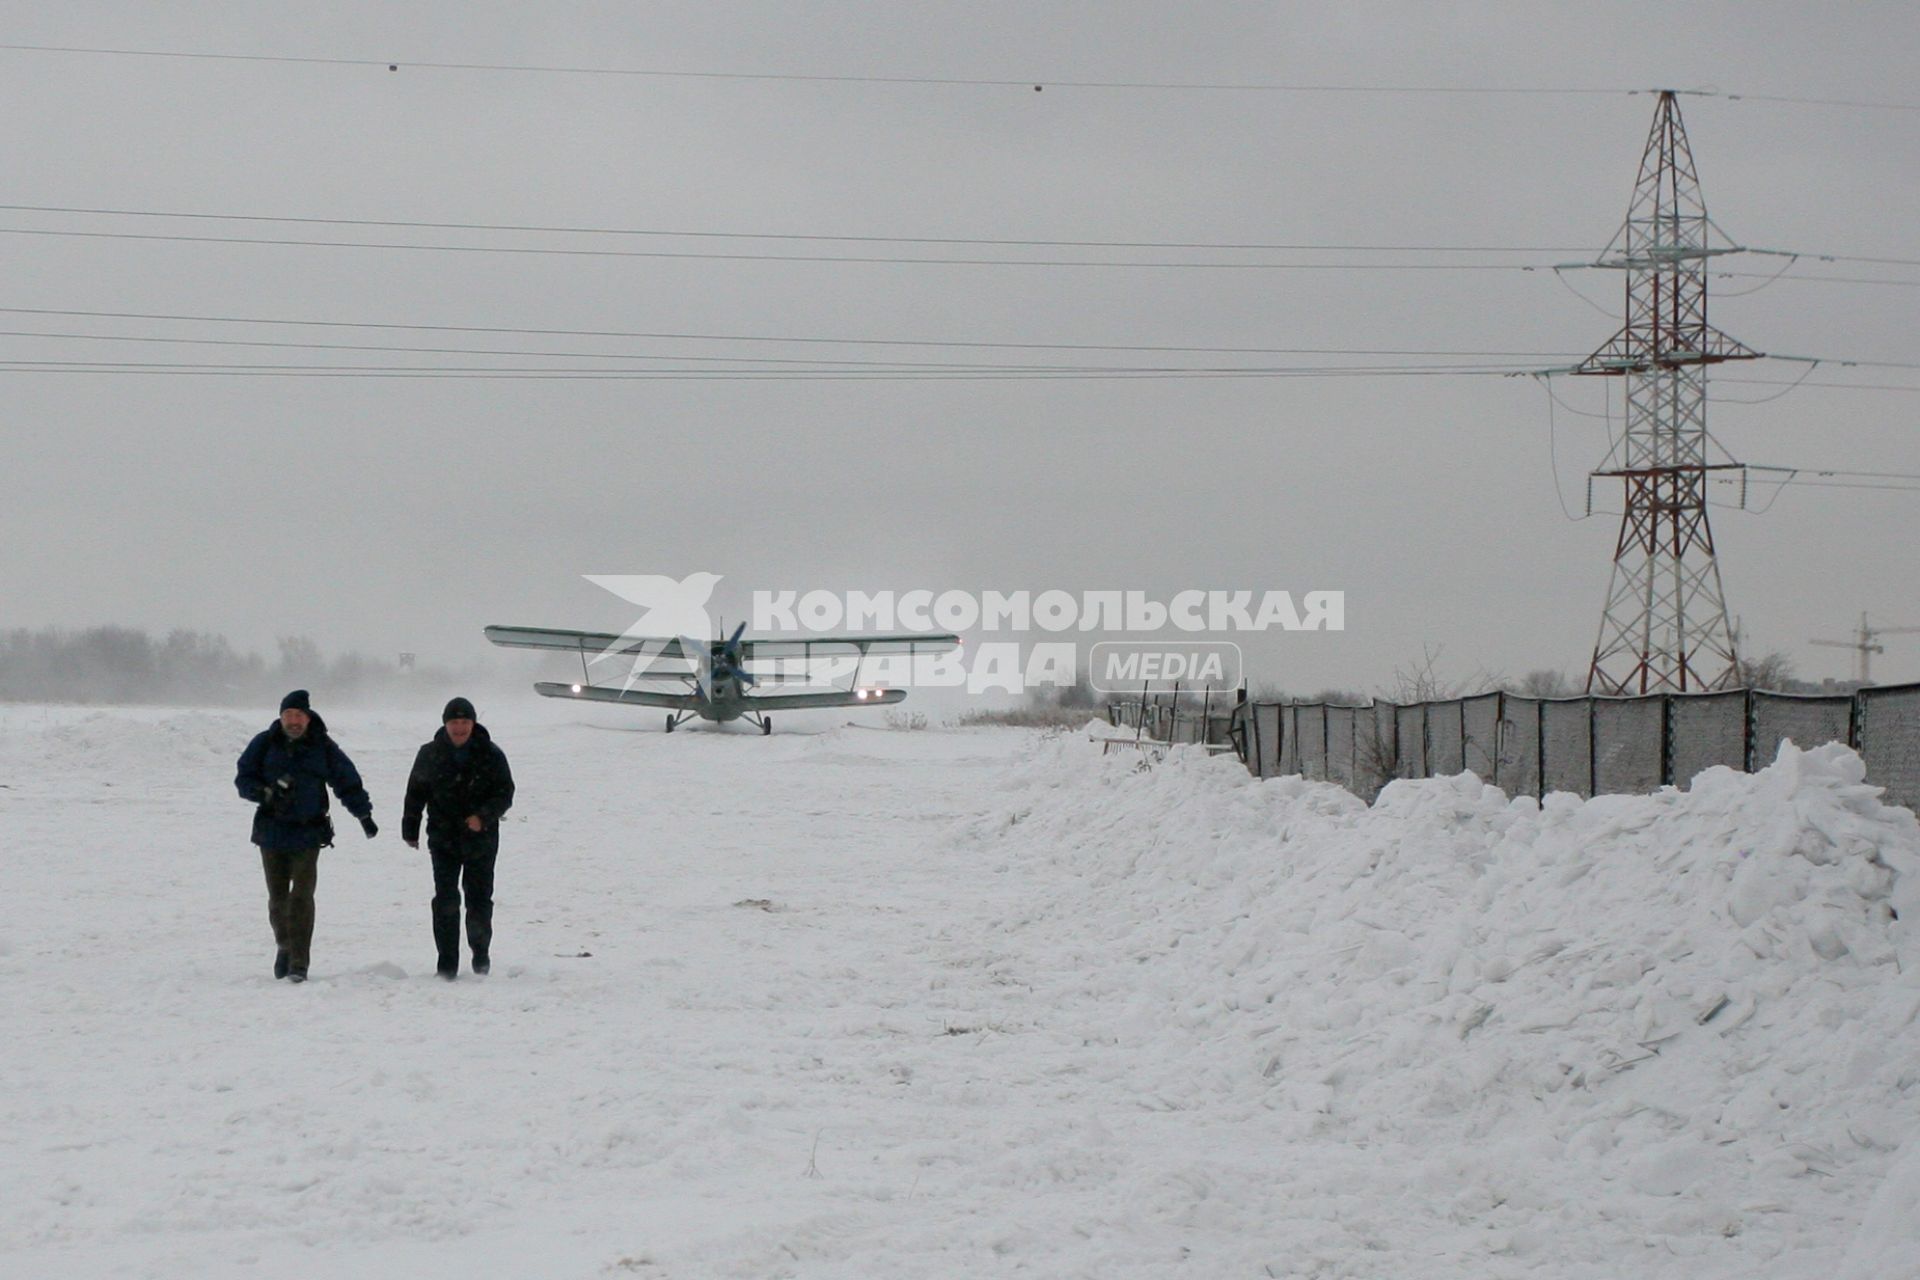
368, 825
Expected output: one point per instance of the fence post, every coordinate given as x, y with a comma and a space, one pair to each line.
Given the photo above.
1666, 740
1753, 713
1593, 748
1398, 759
1462, 734
1540, 749
1499, 732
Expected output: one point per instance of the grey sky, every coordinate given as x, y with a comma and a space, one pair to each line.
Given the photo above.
388, 513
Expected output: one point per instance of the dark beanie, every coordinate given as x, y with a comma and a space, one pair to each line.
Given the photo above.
457, 709
297, 700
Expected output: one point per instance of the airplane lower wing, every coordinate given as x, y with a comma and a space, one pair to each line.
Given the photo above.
606, 693
758, 703
824, 698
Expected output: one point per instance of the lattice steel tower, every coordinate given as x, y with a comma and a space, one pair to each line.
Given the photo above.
1665, 628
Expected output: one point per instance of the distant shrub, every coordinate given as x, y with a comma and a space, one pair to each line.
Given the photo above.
1030, 717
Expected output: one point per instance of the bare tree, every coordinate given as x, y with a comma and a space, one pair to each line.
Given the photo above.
300, 659
1772, 670
1339, 698
1420, 681
1544, 683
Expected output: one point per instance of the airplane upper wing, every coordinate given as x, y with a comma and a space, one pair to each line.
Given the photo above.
802, 648
809, 647
594, 642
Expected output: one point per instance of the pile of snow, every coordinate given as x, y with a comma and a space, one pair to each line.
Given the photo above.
1686, 1020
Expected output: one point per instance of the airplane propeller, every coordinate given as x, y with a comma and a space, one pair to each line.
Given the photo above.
728, 661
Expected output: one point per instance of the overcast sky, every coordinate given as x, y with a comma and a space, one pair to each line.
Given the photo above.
388, 513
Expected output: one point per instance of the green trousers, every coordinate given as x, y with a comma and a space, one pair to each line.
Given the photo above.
291, 875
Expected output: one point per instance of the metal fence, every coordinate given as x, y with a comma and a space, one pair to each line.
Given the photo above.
1207, 718
1589, 746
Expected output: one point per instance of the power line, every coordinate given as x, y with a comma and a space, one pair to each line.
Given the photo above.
625, 355
471, 351
1222, 246
1812, 102
810, 340
1834, 386
1793, 279
1824, 484
1831, 257
551, 251
824, 78
1829, 471
1036, 83
738, 337
825, 237
742, 375
897, 260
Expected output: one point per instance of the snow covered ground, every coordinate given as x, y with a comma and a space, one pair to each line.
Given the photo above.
864, 1003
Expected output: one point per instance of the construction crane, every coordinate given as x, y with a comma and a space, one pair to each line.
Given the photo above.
1864, 644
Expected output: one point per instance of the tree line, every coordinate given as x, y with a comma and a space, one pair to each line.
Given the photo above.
113, 664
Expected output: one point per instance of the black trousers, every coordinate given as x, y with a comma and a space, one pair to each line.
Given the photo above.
291, 875
450, 871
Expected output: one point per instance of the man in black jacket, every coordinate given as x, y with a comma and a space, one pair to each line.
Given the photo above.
462, 781
286, 771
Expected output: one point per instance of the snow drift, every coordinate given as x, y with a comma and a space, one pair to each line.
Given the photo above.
1682, 1025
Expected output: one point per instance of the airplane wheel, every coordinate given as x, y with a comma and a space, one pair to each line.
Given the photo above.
669, 722
766, 725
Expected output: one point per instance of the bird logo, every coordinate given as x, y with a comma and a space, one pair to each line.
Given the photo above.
670, 609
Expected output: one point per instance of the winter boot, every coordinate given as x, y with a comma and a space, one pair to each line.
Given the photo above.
282, 962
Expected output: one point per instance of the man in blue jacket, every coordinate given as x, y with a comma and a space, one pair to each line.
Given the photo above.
286, 771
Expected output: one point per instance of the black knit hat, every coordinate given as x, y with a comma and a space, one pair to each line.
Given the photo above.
298, 701
457, 709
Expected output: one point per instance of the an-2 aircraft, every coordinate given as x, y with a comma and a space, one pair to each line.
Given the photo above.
713, 678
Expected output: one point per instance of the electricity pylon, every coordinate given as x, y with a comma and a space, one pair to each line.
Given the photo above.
1665, 627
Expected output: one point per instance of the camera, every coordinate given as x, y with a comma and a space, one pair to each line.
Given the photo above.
278, 796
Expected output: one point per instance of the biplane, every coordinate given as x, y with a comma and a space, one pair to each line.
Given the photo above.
730, 679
